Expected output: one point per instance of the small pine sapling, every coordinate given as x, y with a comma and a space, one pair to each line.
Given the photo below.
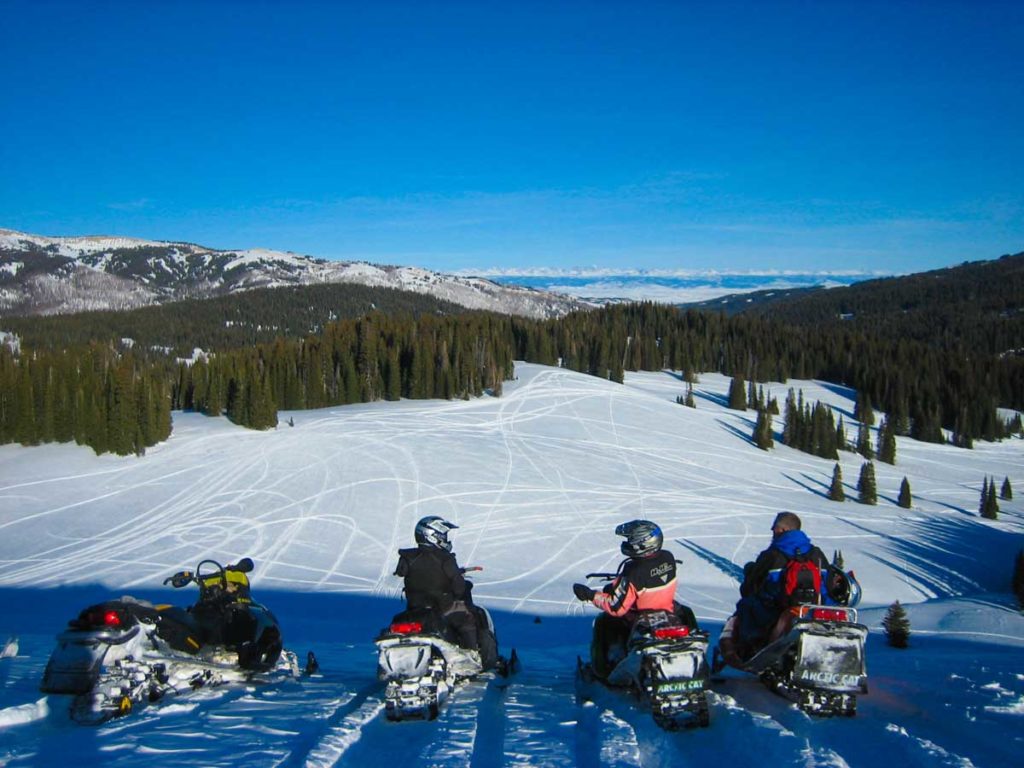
835, 491
1006, 492
897, 626
866, 484
905, 500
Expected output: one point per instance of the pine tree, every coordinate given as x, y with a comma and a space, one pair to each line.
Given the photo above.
837, 559
887, 441
868, 493
991, 505
864, 442
737, 394
690, 403
897, 626
905, 499
835, 491
983, 502
763, 430
1006, 492
841, 435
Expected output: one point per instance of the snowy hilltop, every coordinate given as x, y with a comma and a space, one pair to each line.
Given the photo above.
537, 480
55, 275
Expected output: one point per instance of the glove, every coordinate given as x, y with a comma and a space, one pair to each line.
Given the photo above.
583, 592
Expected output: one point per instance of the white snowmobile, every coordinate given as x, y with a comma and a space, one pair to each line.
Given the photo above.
816, 658
664, 663
421, 661
124, 653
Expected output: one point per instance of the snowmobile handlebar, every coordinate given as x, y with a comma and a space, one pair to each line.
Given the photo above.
605, 576
184, 578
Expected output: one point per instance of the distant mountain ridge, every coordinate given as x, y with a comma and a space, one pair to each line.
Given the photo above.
58, 275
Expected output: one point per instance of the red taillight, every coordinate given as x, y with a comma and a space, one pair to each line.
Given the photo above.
111, 619
668, 632
828, 614
406, 627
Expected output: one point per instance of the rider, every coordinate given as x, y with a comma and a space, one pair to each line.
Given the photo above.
763, 595
645, 581
433, 579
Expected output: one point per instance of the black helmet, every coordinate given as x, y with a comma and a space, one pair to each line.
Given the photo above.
642, 538
433, 531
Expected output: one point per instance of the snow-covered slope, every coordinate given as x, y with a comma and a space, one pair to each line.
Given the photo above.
51, 275
537, 481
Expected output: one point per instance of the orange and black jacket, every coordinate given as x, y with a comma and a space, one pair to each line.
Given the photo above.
643, 584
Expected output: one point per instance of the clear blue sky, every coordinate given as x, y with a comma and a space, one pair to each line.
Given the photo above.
814, 135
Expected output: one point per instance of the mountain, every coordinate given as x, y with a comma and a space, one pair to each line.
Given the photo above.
57, 275
537, 480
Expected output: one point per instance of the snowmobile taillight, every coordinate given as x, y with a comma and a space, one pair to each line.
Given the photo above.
828, 614
664, 633
101, 618
406, 627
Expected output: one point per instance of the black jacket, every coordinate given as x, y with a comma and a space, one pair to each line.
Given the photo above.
432, 577
761, 576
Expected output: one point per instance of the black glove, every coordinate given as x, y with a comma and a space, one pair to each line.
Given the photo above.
583, 592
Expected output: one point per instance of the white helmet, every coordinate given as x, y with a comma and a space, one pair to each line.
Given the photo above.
433, 531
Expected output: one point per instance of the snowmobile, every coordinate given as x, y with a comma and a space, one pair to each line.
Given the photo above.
421, 662
120, 654
816, 655
664, 663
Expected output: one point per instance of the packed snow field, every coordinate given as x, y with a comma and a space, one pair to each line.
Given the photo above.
537, 480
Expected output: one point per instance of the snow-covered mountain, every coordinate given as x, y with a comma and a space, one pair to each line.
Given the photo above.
53, 275
537, 480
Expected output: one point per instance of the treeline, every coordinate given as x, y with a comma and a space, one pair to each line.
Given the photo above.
228, 322
930, 388
973, 309
389, 356
92, 395
378, 357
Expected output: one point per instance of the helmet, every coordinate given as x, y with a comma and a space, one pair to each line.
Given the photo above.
642, 538
433, 531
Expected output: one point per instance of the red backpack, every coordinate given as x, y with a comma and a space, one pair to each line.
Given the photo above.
801, 580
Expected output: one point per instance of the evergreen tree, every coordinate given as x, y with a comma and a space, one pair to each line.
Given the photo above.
1006, 492
862, 411
864, 442
841, 436
983, 501
837, 559
887, 441
690, 403
835, 491
897, 626
737, 394
868, 493
991, 503
763, 430
905, 499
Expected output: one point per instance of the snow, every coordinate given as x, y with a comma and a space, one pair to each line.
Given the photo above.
537, 481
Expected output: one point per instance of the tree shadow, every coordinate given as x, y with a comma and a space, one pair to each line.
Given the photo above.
726, 566
721, 400
950, 556
806, 485
745, 436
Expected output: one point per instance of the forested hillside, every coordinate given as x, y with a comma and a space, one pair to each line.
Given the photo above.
225, 322
975, 308
932, 351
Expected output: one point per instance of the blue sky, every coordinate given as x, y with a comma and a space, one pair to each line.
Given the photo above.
734, 136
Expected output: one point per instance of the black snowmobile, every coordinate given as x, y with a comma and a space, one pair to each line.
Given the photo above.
419, 657
663, 661
126, 652
816, 653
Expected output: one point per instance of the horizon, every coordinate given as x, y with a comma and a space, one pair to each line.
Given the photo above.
661, 138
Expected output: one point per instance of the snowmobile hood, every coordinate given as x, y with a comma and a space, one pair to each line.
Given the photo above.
793, 543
